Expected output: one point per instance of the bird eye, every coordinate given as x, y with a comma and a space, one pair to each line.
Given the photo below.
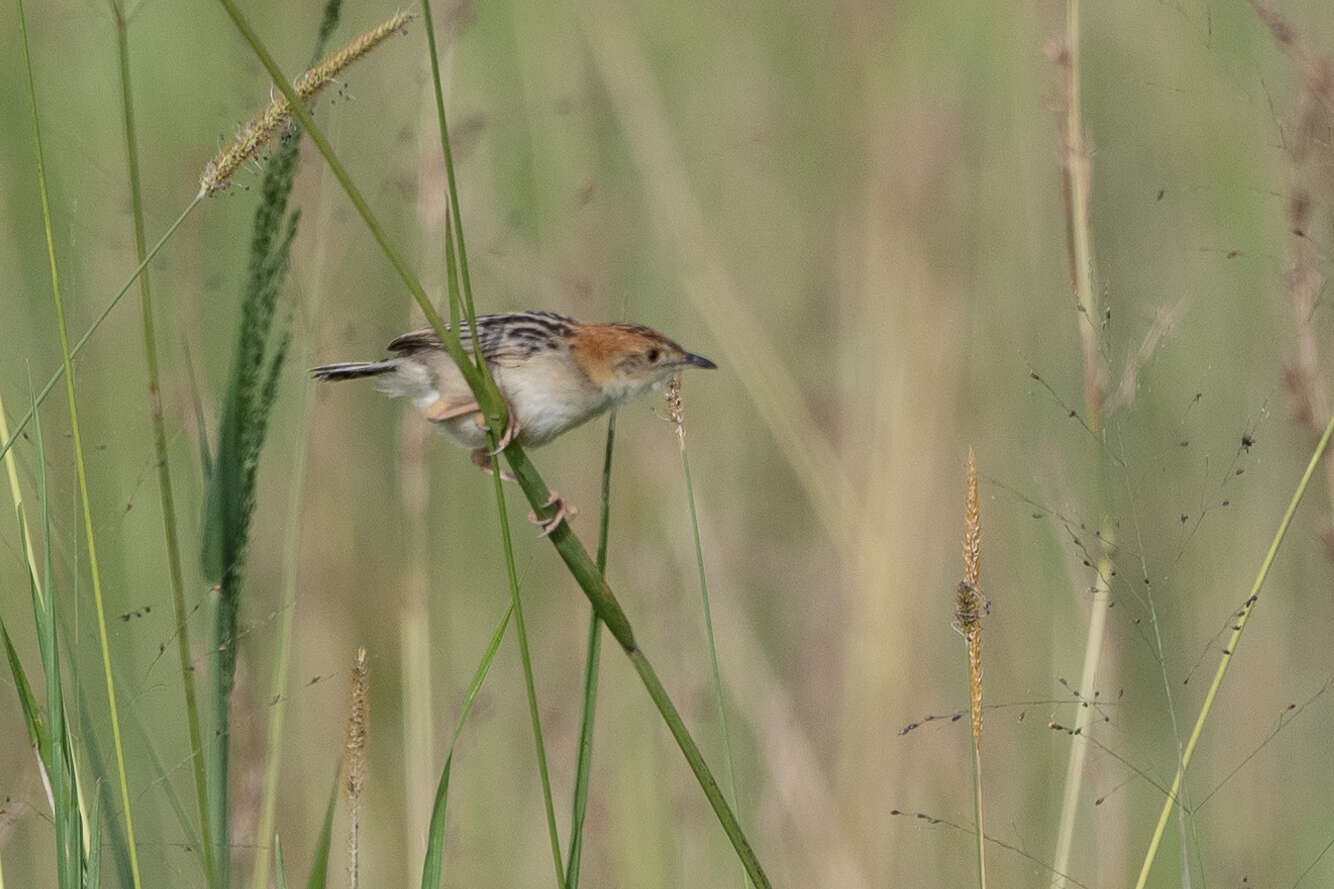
653, 355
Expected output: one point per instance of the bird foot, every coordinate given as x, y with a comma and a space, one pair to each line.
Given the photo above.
564, 512
481, 458
511, 432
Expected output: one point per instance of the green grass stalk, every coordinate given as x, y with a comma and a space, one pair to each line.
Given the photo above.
78, 452
59, 761
1229, 650
166, 496
51, 737
516, 601
592, 659
464, 277
567, 545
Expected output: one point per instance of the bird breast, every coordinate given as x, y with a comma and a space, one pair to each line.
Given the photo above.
549, 395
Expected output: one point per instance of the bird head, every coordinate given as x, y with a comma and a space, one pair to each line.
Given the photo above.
627, 359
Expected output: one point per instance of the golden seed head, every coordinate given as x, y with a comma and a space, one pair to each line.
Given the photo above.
972, 528
358, 727
968, 602
674, 411
260, 129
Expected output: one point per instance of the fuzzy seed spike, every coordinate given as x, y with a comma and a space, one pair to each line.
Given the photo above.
275, 118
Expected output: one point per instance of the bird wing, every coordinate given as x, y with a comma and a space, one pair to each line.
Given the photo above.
504, 337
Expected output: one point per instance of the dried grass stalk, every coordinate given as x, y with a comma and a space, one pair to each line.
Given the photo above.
968, 611
354, 756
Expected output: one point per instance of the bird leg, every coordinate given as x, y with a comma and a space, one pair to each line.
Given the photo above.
440, 410
564, 512
482, 459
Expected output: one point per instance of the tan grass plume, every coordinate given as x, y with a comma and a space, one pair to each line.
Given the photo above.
969, 603
675, 413
969, 606
354, 755
274, 119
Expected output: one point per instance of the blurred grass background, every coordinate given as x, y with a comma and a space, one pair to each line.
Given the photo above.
855, 210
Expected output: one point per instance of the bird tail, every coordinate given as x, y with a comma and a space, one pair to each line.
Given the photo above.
353, 370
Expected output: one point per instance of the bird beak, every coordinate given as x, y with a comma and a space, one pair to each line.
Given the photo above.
693, 360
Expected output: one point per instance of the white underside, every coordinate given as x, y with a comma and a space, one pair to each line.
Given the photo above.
545, 412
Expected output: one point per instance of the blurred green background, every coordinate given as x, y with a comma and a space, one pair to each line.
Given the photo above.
853, 208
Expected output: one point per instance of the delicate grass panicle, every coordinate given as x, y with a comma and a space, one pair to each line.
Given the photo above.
354, 756
969, 606
274, 119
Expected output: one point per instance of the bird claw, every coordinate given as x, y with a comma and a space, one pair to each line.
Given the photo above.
511, 427
481, 458
511, 430
564, 512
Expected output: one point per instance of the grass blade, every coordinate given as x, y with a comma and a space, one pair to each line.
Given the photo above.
279, 869
319, 867
92, 877
38, 733
433, 863
78, 459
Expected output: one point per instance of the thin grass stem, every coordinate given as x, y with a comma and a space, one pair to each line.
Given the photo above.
166, 495
80, 466
22, 424
678, 420
592, 660
529, 685
1229, 650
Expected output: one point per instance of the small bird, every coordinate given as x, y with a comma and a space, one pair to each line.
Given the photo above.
554, 373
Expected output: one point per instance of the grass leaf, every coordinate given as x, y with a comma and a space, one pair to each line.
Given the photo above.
319, 867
